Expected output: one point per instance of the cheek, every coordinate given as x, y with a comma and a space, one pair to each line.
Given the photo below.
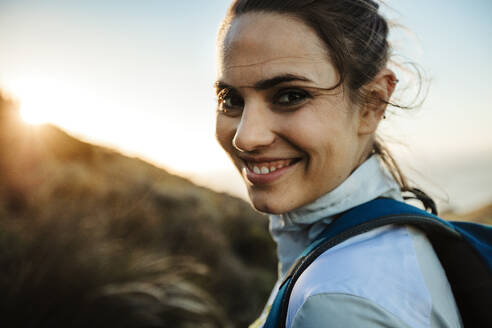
225, 129
327, 138
312, 134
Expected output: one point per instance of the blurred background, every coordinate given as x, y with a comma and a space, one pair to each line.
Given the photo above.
107, 133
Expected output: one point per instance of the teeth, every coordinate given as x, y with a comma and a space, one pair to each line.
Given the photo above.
268, 167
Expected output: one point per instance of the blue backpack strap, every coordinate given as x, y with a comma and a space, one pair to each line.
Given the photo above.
479, 236
474, 244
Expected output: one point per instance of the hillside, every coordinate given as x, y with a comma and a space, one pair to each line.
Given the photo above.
47, 175
481, 215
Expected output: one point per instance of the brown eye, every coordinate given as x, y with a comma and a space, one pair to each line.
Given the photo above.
291, 97
230, 102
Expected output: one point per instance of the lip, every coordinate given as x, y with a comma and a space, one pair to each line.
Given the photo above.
264, 179
263, 159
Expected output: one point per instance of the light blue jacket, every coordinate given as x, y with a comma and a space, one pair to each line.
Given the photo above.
388, 277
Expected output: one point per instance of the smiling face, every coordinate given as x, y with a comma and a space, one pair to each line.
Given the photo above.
291, 138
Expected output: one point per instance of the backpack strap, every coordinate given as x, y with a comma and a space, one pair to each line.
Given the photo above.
471, 281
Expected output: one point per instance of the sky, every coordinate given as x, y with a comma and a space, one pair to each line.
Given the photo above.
138, 76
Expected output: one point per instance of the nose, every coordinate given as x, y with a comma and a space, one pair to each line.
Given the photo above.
255, 129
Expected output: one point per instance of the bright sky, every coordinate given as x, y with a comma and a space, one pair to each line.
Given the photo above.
138, 76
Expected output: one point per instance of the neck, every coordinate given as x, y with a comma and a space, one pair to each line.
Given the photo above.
295, 230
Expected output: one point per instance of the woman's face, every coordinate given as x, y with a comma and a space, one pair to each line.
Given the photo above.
291, 139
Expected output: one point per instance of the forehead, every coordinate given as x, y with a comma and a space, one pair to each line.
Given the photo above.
263, 45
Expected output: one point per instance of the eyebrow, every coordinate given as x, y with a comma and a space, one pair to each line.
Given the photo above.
267, 83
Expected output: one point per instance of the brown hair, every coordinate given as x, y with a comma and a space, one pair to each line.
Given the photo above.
356, 36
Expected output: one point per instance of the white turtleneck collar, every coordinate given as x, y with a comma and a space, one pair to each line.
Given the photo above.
294, 231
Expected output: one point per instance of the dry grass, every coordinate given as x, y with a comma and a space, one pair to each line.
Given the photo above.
481, 215
48, 177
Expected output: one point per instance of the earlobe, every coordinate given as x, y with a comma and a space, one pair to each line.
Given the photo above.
380, 90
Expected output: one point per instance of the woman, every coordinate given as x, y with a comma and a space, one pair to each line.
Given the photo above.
302, 86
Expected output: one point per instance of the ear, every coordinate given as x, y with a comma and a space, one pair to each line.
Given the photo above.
380, 90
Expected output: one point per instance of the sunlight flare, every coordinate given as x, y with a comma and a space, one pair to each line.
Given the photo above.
44, 100
33, 114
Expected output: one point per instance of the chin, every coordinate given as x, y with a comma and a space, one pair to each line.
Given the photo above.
266, 209
270, 205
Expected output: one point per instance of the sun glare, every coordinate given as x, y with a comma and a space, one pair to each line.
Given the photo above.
102, 117
32, 113
54, 101
39, 99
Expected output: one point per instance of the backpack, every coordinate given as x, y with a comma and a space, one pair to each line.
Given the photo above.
463, 248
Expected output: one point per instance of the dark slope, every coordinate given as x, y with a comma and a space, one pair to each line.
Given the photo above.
45, 174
